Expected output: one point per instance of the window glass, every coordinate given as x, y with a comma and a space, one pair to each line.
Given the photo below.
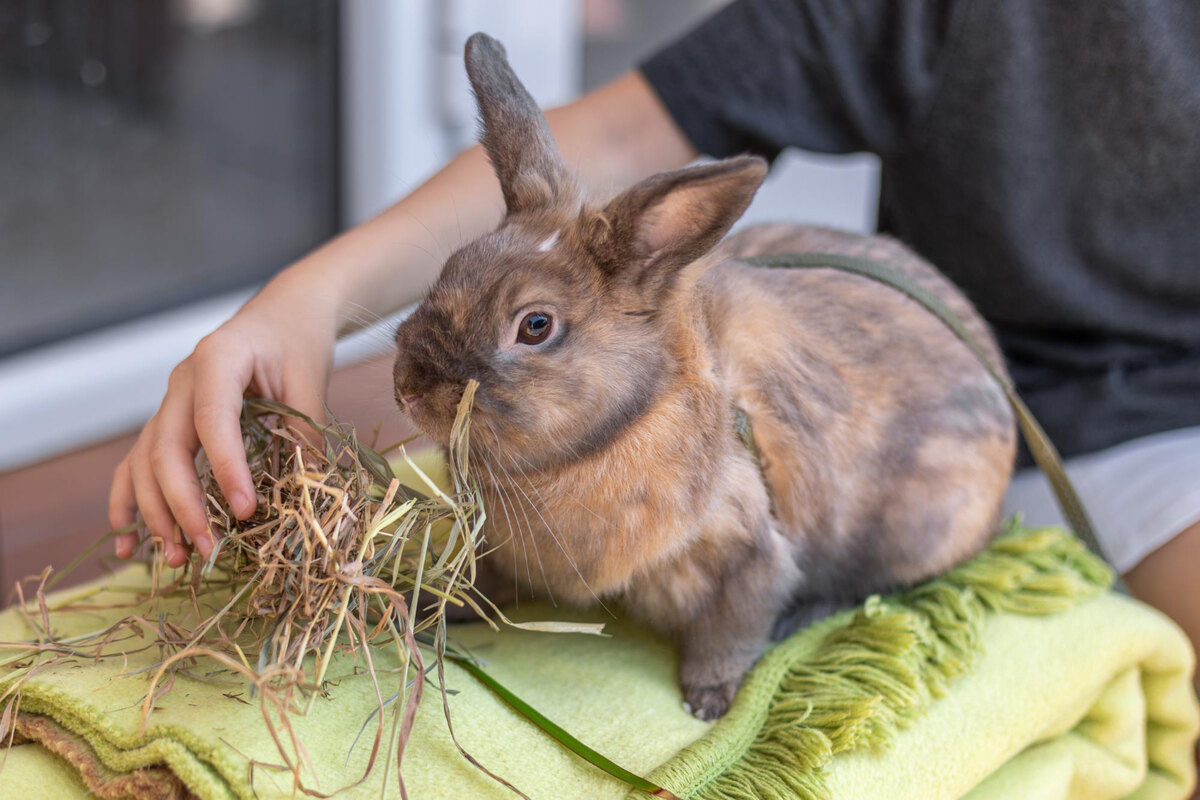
154, 152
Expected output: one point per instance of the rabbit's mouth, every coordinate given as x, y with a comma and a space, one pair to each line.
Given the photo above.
419, 410
434, 410
408, 403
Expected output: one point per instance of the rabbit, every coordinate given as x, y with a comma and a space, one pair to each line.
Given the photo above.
612, 343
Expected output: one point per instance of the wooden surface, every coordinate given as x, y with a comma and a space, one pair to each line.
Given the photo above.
52, 510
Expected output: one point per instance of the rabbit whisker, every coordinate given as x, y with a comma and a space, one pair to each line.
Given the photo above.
362, 313
436, 242
557, 541
513, 530
537, 554
529, 525
512, 533
570, 495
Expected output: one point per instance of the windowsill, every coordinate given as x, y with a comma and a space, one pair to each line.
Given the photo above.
84, 390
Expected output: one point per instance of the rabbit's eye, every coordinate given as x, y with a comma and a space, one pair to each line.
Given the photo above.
533, 328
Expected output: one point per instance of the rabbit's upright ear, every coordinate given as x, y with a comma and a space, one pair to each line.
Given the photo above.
515, 134
666, 222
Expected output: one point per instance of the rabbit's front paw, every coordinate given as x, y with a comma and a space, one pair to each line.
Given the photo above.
709, 702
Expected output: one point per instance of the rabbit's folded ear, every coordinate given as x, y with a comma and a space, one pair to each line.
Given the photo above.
515, 134
666, 222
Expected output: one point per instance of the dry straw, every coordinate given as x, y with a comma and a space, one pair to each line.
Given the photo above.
338, 556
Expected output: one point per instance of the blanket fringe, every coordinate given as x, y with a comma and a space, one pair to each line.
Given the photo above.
871, 677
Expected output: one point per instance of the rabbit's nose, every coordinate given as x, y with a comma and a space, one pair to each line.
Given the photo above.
411, 400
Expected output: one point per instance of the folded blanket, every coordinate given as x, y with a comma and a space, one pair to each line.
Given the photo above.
1016, 675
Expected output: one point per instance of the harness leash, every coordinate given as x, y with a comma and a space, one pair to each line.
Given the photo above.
1043, 450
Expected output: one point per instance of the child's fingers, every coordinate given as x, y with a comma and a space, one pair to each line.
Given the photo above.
172, 457
150, 502
305, 392
217, 412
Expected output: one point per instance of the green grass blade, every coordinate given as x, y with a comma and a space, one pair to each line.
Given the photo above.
557, 733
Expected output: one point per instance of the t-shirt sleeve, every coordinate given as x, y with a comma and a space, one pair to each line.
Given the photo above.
831, 76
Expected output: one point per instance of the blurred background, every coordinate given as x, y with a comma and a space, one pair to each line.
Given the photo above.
160, 159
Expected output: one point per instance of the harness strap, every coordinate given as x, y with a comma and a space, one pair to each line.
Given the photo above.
1043, 450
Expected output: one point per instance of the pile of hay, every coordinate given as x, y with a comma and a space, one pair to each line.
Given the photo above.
337, 543
338, 555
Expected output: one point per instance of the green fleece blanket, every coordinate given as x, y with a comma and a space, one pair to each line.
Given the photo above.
1016, 675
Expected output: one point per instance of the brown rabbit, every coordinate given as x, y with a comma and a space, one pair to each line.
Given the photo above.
612, 344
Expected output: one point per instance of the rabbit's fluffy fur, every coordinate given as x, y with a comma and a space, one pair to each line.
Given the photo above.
607, 452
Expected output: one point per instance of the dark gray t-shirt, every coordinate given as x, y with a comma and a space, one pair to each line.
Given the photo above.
1045, 154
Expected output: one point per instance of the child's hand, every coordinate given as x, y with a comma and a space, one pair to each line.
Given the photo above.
280, 345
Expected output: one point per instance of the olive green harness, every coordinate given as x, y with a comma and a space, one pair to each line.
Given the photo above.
1043, 450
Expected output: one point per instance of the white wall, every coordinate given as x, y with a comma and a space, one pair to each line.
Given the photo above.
837, 191
408, 105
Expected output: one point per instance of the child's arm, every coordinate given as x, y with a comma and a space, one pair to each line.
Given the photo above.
281, 341
1166, 579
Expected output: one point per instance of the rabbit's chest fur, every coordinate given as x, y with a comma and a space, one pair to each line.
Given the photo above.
656, 539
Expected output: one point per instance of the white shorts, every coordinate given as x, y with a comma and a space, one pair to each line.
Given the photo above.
1139, 494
